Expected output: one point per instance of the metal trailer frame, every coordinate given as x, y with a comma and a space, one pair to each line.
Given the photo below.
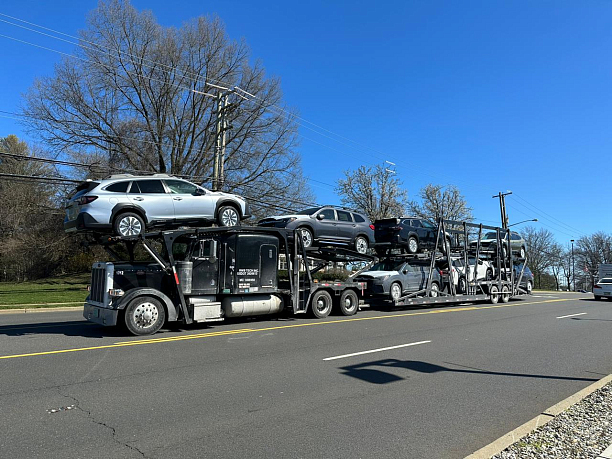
504, 286
300, 290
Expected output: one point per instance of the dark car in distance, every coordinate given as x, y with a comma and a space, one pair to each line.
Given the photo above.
412, 234
327, 225
393, 278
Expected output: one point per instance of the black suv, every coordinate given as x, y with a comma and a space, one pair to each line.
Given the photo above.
409, 233
327, 225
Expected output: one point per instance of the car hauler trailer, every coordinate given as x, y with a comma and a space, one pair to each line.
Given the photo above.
504, 284
209, 274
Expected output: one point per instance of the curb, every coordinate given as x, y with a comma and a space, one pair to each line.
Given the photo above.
29, 310
543, 418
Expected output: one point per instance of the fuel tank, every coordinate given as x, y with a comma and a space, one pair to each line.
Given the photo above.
251, 305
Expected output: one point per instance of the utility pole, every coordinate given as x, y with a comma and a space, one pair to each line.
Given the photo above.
573, 267
502, 207
221, 138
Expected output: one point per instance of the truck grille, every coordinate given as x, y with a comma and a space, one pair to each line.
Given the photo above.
101, 277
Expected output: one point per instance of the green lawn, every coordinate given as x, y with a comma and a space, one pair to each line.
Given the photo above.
65, 289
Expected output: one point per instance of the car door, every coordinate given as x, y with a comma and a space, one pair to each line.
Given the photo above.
422, 233
412, 277
326, 226
150, 195
346, 226
190, 201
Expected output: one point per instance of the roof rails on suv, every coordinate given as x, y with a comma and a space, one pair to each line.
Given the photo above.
116, 176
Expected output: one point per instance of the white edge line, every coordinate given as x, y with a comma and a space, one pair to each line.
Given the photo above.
375, 350
572, 315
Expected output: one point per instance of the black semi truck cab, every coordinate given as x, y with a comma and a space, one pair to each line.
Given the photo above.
207, 275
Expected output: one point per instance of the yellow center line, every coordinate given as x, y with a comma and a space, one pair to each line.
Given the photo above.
137, 342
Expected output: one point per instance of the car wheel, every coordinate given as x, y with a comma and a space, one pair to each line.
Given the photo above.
413, 245
395, 292
529, 287
489, 274
597, 297
228, 216
129, 224
307, 238
348, 303
522, 252
494, 294
144, 315
320, 304
435, 290
361, 244
462, 285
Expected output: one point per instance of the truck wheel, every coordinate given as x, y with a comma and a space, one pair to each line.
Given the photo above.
395, 292
307, 238
494, 294
321, 304
144, 315
228, 216
348, 303
361, 244
413, 245
505, 295
128, 224
435, 290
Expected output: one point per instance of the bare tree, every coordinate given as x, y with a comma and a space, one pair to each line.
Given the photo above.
138, 96
590, 252
540, 248
373, 190
438, 201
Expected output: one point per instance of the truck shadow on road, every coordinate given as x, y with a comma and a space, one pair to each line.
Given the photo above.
79, 328
369, 373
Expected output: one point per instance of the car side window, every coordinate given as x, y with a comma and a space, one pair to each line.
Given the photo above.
515, 237
329, 214
426, 224
358, 218
149, 186
181, 187
416, 223
119, 187
344, 216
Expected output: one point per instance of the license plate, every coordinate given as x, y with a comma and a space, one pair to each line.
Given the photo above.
607, 293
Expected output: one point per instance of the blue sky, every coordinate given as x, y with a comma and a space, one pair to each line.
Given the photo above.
486, 95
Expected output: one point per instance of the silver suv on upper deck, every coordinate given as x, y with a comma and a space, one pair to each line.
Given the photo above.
127, 205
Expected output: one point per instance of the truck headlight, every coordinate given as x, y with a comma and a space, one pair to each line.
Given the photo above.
116, 292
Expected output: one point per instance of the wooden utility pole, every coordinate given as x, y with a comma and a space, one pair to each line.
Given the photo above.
502, 207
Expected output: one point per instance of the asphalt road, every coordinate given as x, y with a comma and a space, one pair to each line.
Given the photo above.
441, 383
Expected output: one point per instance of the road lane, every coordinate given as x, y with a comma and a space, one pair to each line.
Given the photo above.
270, 393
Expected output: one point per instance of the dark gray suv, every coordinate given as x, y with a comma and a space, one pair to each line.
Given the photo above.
127, 204
327, 225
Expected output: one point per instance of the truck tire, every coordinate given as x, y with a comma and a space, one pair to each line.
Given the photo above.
361, 244
320, 304
144, 315
228, 216
348, 304
128, 224
489, 274
494, 294
505, 295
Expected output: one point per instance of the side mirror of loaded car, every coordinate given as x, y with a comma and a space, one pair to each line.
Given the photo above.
405, 271
199, 192
320, 216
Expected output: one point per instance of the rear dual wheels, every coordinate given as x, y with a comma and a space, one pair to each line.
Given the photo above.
321, 304
348, 304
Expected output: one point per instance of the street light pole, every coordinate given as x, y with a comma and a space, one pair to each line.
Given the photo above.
573, 267
524, 221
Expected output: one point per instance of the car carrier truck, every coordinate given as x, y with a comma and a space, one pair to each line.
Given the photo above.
210, 274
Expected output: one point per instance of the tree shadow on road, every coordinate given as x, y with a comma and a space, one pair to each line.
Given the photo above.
371, 371
79, 328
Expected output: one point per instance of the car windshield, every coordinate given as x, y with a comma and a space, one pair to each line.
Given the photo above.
490, 235
308, 211
388, 265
